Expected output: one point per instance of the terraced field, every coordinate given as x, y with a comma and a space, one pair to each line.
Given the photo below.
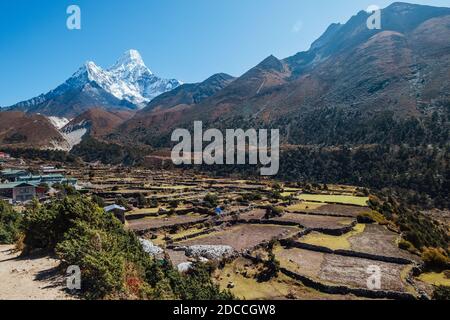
337, 270
242, 237
341, 199
154, 223
323, 252
316, 222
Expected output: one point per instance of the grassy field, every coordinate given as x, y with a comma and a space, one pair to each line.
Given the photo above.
333, 242
436, 279
325, 198
287, 194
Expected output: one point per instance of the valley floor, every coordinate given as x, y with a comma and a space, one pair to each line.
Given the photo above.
33, 278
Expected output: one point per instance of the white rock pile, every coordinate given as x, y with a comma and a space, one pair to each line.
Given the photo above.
150, 248
209, 251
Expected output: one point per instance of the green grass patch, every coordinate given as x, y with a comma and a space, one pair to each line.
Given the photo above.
333, 242
436, 279
326, 198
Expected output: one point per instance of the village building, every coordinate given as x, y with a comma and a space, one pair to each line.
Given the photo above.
4, 157
12, 175
49, 179
118, 211
52, 170
21, 191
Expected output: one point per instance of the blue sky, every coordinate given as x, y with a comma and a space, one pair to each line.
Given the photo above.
184, 39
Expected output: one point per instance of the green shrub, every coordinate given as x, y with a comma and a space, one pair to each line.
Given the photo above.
197, 285
252, 196
211, 200
372, 217
9, 223
104, 253
121, 201
174, 204
272, 212
416, 227
99, 201
441, 293
112, 261
154, 203
408, 246
142, 200
46, 225
435, 259
270, 270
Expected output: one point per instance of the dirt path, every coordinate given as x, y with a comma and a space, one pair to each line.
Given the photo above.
29, 279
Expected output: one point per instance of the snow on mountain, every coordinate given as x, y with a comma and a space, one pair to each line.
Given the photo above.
127, 84
133, 81
128, 79
58, 122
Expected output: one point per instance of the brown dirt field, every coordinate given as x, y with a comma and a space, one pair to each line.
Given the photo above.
378, 240
256, 214
177, 257
163, 221
242, 237
339, 270
312, 221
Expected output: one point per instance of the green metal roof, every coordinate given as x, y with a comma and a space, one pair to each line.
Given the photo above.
13, 185
12, 171
47, 176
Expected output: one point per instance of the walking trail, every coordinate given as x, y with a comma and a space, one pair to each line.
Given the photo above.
35, 278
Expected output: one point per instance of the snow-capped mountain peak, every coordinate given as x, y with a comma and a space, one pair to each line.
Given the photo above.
131, 59
127, 83
130, 79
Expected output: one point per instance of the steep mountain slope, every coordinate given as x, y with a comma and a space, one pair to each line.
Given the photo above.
18, 129
97, 122
172, 105
189, 94
354, 85
127, 85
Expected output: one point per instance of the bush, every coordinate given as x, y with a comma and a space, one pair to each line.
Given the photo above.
416, 227
121, 201
435, 259
154, 203
372, 217
272, 212
174, 204
112, 261
106, 253
142, 201
408, 246
46, 225
211, 200
98, 201
9, 224
252, 196
441, 293
197, 285
270, 270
